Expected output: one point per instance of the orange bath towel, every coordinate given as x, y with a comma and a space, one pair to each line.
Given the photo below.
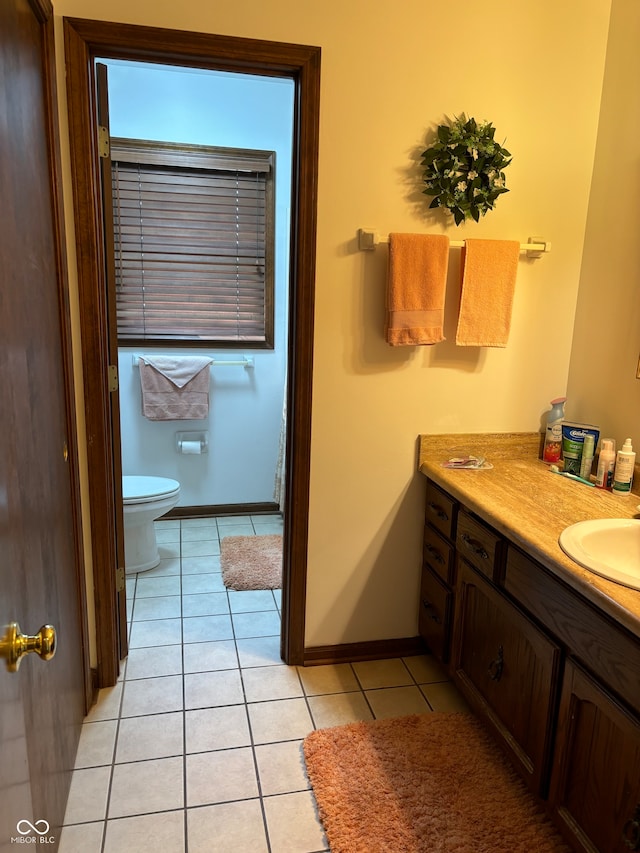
488, 270
416, 286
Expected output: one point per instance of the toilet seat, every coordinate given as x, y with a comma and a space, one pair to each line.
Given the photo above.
137, 490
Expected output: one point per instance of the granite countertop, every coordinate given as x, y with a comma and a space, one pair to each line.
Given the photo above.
521, 499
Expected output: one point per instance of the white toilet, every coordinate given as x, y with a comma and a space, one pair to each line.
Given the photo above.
144, 500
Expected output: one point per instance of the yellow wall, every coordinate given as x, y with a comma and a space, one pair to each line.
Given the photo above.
390, 73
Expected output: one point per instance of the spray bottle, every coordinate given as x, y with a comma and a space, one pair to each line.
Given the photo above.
606, 464
553, 434
623, 474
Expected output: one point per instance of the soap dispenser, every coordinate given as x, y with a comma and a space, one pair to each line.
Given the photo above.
553, 434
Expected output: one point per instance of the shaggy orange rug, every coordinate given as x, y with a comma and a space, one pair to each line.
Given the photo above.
251, 562
428, 783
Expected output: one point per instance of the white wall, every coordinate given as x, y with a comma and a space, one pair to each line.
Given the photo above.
604, 358
235, 111
389, 76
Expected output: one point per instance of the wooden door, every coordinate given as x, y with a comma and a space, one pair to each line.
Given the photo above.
41, 578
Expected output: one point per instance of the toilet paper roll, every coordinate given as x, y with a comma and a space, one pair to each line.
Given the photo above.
190, 447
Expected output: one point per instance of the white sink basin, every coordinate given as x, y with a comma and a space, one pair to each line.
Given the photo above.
609, 547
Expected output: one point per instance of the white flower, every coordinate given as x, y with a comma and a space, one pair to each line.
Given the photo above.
472, 175
461, 186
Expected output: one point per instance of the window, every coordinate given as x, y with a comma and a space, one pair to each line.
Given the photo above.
194, 244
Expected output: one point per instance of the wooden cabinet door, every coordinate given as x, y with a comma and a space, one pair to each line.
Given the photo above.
595, 785
507, 668
434, 620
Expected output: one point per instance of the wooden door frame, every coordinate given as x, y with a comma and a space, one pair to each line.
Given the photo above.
85, 41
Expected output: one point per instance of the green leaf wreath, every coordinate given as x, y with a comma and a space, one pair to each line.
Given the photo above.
464, 169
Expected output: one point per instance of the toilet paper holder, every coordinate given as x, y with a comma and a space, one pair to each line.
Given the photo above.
192, 443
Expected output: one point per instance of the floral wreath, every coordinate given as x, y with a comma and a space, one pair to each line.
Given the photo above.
463, 170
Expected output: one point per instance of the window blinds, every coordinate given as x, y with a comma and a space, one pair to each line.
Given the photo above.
190, 247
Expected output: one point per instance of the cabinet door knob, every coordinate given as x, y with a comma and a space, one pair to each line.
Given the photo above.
496, 666
433, 613
631, 831
437, 510
437, 556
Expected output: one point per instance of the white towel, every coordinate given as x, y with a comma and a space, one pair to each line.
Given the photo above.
179, 369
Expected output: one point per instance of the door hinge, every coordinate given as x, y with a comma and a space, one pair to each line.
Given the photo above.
112, 377
119, 580
103, 141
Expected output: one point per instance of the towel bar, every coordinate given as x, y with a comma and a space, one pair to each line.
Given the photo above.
245, 361
368, 239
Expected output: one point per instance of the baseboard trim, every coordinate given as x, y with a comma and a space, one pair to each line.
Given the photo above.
370, 650
267, 508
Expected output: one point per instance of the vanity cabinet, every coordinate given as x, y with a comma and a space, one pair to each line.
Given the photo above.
555, 678
507, 668
435, 615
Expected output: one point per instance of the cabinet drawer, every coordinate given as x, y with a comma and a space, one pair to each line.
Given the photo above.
480, 545
434, 619
441, 511
438, 555
601, 645
508, 670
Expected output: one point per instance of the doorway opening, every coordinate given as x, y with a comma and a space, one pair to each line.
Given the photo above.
85, 42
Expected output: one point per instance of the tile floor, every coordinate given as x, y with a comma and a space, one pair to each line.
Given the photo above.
197, 749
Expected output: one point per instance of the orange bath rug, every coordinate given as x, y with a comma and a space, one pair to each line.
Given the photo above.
426, 783
251, 562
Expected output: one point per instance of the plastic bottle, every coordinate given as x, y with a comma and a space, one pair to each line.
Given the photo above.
623, 475
587, 456
553, 434
606, 464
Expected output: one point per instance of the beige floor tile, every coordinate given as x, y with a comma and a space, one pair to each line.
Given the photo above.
150, 634
153, 662
158, 607
216, 728
264, 683
237, 828
210, 689
88, 795
220, 777
152, 696
397, 701
203, 566
251, 601
259, 651
97, 742
163, 831
262, 624
202, 548
147, 786
337, 709
426, 669
444, 697
285, 719
154, 585
82, 838
107, 706
155, 736
331, 678
203, 629
204, 657
205, 604
382, 673
281, 768
293, 823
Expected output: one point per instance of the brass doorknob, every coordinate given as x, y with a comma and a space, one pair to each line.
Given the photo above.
14, 645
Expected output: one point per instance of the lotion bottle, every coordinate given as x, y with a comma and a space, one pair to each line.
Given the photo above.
623, 474
606, 464
553, 434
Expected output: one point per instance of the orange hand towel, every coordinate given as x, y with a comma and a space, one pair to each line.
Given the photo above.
417, 277
488, 269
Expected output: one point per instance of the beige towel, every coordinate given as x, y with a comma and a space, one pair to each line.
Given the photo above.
163, 400
417, 278
488, 269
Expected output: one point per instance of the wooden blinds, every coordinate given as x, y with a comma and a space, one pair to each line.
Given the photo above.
193, 233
